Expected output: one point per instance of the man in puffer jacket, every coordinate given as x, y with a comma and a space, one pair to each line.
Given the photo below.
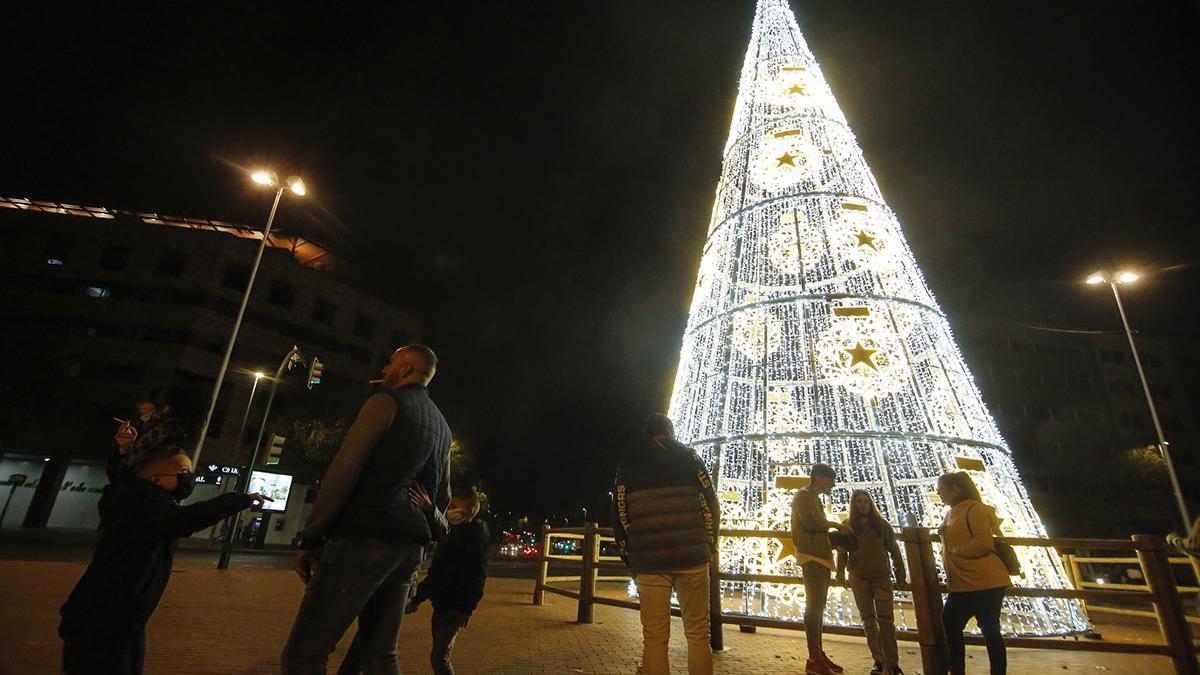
666, 519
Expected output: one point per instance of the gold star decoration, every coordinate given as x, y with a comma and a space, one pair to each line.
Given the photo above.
865, 239
796, 89
861, 354
786, 158
787, 550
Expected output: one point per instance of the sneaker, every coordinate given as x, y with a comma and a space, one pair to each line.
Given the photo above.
878, 669
895, 670
817, 667
833, 667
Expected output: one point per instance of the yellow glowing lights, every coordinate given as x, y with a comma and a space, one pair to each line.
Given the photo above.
812, 337
263, 177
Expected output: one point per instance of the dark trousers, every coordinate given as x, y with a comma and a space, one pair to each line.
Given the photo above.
83, 658
354, 578
985, 607
816, 593
445, 625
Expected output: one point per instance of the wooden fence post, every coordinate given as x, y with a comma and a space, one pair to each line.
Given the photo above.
1075, 576
587, 578
716, 635
1168, 607
927, 599
539, 586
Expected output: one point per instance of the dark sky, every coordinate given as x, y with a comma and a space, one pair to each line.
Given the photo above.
534, 178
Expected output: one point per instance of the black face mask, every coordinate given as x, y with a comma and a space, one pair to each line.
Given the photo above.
184, 484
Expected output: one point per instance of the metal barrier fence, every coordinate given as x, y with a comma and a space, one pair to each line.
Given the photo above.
1152, 556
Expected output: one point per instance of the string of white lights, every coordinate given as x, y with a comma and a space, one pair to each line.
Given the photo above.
813, 337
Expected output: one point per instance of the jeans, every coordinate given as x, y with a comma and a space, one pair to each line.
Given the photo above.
82, 658
354, 578
816, 593
654, 592
985, 607
874, 600
445, 626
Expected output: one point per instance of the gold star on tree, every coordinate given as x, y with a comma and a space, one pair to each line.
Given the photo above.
796, 89
861, 354
787, 158
865, 239
787, 550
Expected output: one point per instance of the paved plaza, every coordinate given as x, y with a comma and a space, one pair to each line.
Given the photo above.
236, 622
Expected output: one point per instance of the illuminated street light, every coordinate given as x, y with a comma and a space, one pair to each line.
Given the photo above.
1128, 277
296, 185
267, 178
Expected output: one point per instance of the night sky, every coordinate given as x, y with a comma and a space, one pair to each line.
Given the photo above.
534, 179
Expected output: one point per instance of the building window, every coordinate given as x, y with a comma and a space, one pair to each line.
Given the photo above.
171, 264
235, 276
1109, 356
1131, 421
58, 251
324, 312
115, 258
1019, 346
1037, 412
1122, 387
364, 326
1161, 391
1046, 349
98, 292
1079, 382
281, 294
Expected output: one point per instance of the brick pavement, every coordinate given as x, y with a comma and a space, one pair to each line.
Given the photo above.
236, 622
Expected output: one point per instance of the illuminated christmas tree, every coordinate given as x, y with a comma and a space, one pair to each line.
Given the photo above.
812, 337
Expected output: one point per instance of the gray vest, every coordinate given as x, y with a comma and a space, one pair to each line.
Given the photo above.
414, 449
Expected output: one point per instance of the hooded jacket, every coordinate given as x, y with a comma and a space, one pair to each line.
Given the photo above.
139, 524
666, 515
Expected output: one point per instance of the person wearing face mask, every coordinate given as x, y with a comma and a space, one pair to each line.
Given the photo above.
164, 419
456, 577
104, 619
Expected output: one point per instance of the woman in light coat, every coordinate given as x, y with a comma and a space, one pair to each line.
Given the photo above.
975, 575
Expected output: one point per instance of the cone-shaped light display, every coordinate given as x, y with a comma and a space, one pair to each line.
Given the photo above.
813, 337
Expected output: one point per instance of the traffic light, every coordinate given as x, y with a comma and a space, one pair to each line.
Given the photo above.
275, 452
314, 372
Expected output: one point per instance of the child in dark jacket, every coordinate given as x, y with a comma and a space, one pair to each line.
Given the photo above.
456, 577
104, 620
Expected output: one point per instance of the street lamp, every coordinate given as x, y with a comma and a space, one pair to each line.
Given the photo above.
237, 447
266, 178
1115, 280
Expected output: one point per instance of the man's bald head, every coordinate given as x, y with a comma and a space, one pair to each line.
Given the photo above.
410, 364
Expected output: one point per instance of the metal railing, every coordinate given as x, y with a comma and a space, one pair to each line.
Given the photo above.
1160, 592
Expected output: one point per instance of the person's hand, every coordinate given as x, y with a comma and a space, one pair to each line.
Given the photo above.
420, 498
304, 562
257, 500
843, 528
411, 607
125, 437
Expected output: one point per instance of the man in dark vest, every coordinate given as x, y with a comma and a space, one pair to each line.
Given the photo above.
666, 523
365, 536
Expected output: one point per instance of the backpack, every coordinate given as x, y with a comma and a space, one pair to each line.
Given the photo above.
1003, 550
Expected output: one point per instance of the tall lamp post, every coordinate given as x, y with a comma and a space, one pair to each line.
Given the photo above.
267, 178
1115, 280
